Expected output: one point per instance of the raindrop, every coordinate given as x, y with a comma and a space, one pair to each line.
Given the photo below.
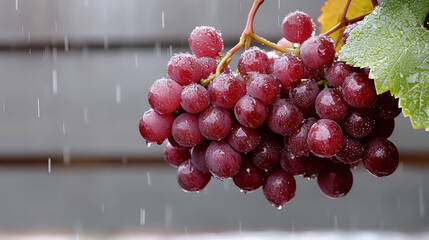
136, 60
239, 227
102, 206
54, 81
66, 44
162, 20
422, 211
278, 21
22, 30
16, 5
205, 191
241, 3
149, 182
142, 216
170, 51
85, 115
28, 37
38, 107
49, 165
168, 215
118, 93
64, 129
4, 107
279, 3
186, 230
66, 154
56, 26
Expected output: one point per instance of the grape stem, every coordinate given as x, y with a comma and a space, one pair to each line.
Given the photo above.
245, 40
344, 21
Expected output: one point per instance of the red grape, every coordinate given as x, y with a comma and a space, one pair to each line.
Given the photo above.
205, 42
284, 117
249, 177
164, 95
243, 139
185, 130
184, 68
215, 123
175, 156
253, 60
190, 178
198, 156
250, 112
337, 73
225, 90
358, 123
317, 52
288, 69
155, 127
263, 87
297, 27
194, 98
335, 180
222, 160
331, 105
325, 138
358, 90
279, 188
381, 157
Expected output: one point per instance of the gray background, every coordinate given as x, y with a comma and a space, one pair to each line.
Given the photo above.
93, 64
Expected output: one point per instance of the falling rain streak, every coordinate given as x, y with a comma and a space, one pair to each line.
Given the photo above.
102, 206
16, 5
54, 81
4, 107
162, 19
136, 60
118, 93
149, 182
49, 165
38, 107
64, 129
142, 216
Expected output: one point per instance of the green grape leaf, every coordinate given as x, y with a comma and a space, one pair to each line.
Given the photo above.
394, 44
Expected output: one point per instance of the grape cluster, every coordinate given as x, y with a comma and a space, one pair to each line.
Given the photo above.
276, 117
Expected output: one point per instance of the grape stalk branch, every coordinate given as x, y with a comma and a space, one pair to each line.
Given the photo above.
249, 34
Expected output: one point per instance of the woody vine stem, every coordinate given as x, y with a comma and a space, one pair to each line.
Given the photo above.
248, 34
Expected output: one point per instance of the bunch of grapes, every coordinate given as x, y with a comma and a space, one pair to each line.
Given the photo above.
278, 116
